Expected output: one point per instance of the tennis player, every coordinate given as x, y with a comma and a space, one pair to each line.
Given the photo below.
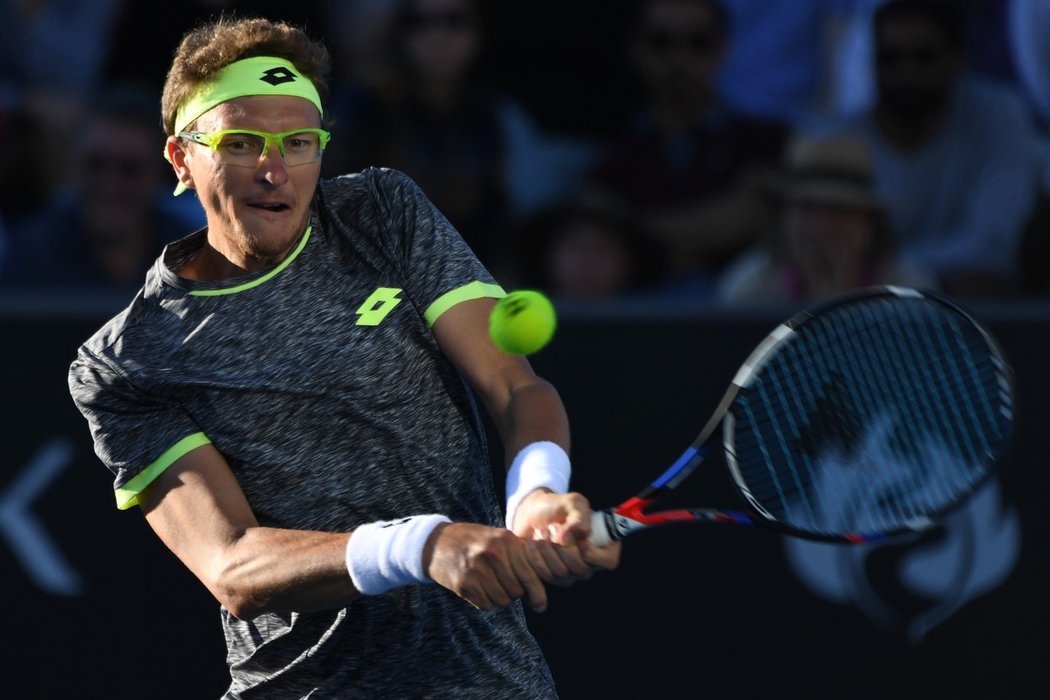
291, 400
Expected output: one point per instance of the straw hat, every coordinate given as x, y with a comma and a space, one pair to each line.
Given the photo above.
832, 170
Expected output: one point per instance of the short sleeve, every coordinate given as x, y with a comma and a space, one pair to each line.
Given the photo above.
137, 436
440, 269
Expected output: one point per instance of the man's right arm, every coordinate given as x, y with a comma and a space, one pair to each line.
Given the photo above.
199, 511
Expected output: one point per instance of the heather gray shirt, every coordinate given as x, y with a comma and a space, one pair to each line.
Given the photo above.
321, 383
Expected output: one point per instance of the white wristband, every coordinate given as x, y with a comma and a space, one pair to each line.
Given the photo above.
387, 554
538, 465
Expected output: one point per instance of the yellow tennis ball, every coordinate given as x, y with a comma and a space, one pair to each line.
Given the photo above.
522, 322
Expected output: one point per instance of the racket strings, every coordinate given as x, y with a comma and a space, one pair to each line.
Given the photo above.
931, 410
871, 416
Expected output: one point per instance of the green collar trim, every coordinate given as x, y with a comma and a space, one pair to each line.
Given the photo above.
260, 280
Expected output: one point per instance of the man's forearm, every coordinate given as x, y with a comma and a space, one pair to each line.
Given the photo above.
274, 570
533, 413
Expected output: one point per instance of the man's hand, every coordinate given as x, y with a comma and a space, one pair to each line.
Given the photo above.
565, 521
488, 567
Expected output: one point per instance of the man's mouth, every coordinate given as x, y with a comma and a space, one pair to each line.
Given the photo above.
270, 206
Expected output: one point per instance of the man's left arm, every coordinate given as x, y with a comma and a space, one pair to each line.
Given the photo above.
532, 424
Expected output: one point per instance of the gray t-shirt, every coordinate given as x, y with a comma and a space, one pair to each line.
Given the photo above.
321, 383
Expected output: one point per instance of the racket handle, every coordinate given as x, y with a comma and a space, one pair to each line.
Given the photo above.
600, 534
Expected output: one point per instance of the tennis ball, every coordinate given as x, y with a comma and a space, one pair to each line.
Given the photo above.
522, 322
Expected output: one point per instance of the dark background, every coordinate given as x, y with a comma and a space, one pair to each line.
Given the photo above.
708, 610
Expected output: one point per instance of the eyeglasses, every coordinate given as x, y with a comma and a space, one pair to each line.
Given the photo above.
697, 42
246, 148
126, 167
451, 21
923, 57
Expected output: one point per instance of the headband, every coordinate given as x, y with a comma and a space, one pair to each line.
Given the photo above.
260, 75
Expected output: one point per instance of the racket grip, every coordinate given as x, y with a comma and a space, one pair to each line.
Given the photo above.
600, 534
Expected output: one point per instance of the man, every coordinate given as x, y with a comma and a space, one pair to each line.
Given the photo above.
957, 162
687, 166
285, 400
102, 233
830, 237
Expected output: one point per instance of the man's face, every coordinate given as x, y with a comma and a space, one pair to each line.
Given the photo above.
915, 65
831, 246
677, 50
255, 214
441, 39
117, 173
589, 262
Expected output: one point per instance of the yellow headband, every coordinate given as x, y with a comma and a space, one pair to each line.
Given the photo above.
260, 75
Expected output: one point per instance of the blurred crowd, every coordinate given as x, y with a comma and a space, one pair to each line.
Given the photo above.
724, 151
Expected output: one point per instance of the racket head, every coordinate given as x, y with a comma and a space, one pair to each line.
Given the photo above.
867, 416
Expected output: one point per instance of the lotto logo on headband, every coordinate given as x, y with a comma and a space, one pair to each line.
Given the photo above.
278, 76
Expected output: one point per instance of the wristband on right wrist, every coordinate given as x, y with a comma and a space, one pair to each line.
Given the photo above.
387, 554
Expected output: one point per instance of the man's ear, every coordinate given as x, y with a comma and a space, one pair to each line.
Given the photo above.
175, 153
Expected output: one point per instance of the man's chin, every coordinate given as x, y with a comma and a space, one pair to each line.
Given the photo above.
271, 244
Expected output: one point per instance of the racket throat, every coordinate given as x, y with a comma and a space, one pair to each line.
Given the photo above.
628, 517
613, 524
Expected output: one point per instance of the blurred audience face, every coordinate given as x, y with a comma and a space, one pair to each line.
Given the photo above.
587, 262
677, 50
831, 246
916, 64
117, 174
440, 39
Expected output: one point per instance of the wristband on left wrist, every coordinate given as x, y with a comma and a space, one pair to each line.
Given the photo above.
538, 465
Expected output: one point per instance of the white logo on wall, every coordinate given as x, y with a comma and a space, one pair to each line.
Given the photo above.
23, 531
915, 584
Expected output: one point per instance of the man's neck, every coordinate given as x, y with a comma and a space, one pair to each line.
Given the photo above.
121, 253
218, 260
674, 117
910, 132
210, 264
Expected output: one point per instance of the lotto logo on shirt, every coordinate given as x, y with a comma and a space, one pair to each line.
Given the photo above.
376, 307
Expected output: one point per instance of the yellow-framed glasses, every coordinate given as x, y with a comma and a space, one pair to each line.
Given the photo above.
246, 148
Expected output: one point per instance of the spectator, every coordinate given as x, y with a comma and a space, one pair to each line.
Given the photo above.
359, 31
831, 235
50, 62
30, 165
1028, 24
956, 161
105, 231
580, 253
54, 46
435, 122
686, 165
1004, 42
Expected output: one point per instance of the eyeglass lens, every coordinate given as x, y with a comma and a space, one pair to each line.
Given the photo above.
246, 149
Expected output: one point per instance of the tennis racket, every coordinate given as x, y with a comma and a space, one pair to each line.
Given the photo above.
862, 418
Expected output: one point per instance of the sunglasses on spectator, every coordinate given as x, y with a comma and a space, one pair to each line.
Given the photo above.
698, 42
917, 57
124, 167
449, 21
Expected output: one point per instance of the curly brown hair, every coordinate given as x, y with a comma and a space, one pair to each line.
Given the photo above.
209, 48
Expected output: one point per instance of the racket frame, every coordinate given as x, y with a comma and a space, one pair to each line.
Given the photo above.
613, 524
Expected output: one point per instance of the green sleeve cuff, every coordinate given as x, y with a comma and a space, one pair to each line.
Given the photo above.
128, 494
474, 290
